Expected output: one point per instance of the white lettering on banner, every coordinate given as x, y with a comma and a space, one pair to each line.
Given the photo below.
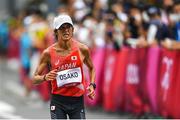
108, 72
166, 78
69, 76
68, 66
132, 74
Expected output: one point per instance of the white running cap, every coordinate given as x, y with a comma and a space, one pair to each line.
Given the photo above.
61, 19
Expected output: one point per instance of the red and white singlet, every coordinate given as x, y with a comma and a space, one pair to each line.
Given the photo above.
70, 78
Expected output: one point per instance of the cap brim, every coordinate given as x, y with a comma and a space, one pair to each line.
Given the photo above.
57, 27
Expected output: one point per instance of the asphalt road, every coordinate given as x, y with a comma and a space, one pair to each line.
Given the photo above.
14, 105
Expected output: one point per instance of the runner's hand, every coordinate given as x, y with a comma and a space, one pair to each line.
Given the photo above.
51, 75
91, 92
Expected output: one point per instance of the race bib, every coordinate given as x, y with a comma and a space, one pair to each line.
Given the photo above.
69, 76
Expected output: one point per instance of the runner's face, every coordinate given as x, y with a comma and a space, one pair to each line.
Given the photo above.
65, 32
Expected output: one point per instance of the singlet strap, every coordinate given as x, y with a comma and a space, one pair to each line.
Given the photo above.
74, 45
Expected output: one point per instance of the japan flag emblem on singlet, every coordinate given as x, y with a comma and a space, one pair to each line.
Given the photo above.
73, 57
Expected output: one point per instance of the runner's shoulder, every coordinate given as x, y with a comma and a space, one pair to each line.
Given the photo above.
83, 47
46, 51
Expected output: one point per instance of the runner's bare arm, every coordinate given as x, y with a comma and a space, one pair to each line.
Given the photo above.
44, 59
87, 60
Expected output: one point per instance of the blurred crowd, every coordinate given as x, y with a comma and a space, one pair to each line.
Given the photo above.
97, 23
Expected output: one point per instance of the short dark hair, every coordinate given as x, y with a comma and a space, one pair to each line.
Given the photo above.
55, 34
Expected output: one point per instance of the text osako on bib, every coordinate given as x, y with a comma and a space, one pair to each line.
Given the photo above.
69, 76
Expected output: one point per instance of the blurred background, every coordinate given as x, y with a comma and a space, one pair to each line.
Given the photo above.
134, 46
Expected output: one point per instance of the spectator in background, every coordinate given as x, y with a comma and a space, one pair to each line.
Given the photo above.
160, 30
25, 55
167, 6
4, 30
169, 44
38, 30
176, 16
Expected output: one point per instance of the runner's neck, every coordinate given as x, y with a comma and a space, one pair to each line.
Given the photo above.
65, 45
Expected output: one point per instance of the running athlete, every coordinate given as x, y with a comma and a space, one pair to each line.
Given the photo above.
66, 58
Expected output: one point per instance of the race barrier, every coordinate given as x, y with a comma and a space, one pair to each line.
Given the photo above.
109, 69
167, 82
134, 82
118, 83
153, 62
98, 62
176, 106
140, 80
